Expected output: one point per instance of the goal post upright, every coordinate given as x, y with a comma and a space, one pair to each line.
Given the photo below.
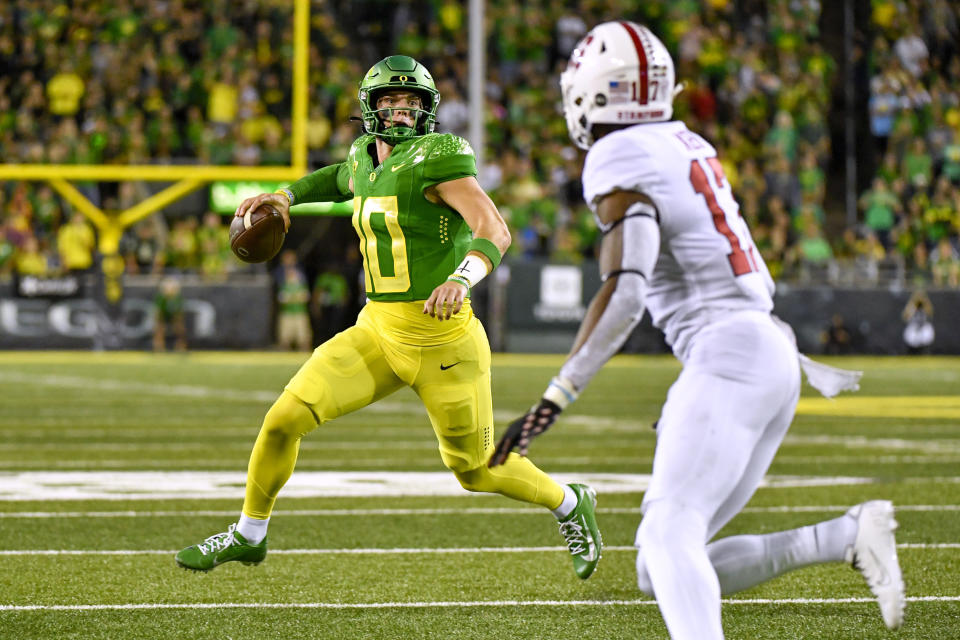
185, 178
298, 119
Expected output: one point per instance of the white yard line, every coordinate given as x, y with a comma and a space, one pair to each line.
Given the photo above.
324, 513
410, 405
127, 386
355, 445
180, 390
161, 485
929, 545
869, 460
935, 447
437, 604
395, 405
213, 465
81, 451
821, 509
428, 461
374, 551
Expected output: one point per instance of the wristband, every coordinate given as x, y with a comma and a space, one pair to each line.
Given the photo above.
287, 193
561, 392
471, 271
455, 278
487, 248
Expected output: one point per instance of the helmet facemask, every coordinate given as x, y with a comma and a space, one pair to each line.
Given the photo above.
394, 130
398, 73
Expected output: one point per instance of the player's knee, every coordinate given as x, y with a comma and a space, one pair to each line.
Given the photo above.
287, 418
669, 525
643, 578
479, 479
458, 462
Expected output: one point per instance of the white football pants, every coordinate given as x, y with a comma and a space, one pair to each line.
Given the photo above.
724, 418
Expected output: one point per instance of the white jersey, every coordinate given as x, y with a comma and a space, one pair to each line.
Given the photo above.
708, 263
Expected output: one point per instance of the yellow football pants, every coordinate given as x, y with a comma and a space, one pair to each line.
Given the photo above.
393, 344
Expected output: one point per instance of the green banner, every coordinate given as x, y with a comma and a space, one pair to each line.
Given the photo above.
225, 197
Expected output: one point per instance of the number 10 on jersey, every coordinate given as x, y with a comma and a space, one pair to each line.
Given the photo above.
382, 244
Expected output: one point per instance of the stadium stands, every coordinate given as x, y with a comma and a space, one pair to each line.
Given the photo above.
147, 82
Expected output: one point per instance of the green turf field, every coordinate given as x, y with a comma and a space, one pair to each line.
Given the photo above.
109, 463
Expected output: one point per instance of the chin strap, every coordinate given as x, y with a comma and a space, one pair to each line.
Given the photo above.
828, 380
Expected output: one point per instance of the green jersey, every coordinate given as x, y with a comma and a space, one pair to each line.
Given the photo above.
293, 295
409, 244
331, 288
168, 306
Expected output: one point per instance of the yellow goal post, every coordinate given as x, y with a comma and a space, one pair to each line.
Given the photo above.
185, 178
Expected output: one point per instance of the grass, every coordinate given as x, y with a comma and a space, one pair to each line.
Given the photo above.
382, 567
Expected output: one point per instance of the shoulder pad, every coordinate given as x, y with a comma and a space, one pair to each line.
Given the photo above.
359, 144
447, 144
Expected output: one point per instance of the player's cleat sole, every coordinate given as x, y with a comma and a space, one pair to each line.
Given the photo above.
874, 554
229, 546
580, 531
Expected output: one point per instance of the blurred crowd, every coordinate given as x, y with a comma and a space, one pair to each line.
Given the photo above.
139, 81
910, 214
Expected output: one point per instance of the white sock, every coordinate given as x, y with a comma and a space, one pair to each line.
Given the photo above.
253, 530
568, 505
744, 561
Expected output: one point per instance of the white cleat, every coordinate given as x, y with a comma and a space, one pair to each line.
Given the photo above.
874, 554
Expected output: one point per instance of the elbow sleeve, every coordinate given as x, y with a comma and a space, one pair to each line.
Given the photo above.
641, 247
622, 313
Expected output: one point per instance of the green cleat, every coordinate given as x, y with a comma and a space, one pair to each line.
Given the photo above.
580, 531
220, 548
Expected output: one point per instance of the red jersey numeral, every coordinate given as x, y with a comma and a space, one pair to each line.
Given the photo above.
739, 261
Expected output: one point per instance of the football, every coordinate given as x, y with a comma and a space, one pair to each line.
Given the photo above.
257, 236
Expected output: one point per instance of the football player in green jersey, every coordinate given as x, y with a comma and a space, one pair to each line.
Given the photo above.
427, 233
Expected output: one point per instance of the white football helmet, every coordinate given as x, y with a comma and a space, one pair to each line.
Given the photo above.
620, 73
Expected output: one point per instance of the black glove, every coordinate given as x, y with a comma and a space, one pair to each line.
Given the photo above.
523, 429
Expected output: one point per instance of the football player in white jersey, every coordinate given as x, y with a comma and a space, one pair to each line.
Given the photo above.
674, 243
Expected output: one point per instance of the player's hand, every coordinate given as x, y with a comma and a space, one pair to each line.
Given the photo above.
522, 430
446, 300
278, 200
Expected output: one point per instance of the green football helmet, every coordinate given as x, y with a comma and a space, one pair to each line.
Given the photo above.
398, 72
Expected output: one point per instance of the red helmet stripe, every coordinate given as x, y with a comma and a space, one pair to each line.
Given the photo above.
641, 58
